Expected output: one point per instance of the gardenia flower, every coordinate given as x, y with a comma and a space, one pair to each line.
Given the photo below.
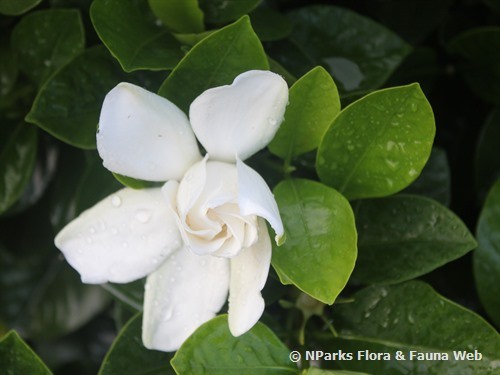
203, 233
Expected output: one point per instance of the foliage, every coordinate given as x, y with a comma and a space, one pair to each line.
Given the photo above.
385, 170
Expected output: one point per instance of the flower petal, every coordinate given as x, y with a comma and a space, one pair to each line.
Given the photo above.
240, 119
249, 270
122, 238
255, 198
143, 135
185, 292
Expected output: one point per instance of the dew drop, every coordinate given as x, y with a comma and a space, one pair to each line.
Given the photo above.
168, 314
47, 63
114, 230
172, 279
91, 230
414, 107
89, 240
125, 244
272, 121
143, 215
350, 147
116, 201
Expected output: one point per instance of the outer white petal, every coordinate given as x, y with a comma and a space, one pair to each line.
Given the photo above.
240, 119
249, 270
143, 135
255, 198
186, 291
122, 238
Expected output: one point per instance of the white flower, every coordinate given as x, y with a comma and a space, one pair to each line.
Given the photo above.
203, 233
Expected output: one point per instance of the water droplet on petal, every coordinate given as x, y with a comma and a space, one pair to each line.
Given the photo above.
92, 230
143, 215
116, 201
168, 314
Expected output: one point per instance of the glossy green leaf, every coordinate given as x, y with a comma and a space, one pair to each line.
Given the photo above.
359, 53
129, 31
132, 182
487, 158
8, 67
42, 294
412, 316
211, 349
434, 181
481, 58
410, 19
405, 236
487, 255
17, 159
47, 40
18, 358
62, 303
17, 7
78, 186
182, 16
215, 61
313, 104
221, 11
320, 249
379, 144
128, 355
131, 294
68, 104
269, 24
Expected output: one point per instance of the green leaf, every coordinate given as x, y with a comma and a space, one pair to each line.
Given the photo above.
434, 181
131, 294
183, 16
359, 53
128, 355
129, 31
313, 104
215, 61
211, 349
319, 253
17, 7
412, 316
404, 236
78, 186
487, 158
17, 159
487, 255
18, 358
62, 303
269, 24
68, 104
47, 40
221, 11
481, 58
8, 67
379, 144
132, 182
